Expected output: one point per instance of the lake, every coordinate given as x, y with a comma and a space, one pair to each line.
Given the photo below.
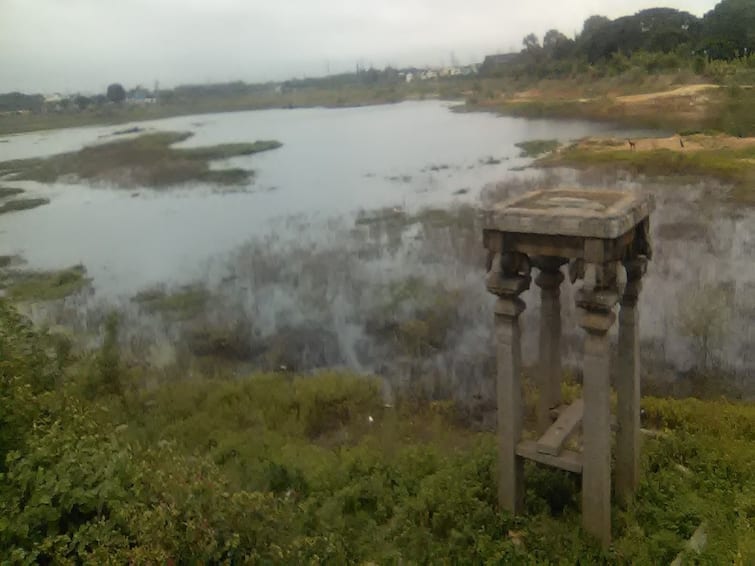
332, 162
332, 226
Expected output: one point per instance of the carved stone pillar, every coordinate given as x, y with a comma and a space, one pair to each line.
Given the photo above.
628, 384
596, 301
507, 279
549, 373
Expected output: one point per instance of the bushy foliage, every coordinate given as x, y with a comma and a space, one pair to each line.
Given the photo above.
315, 469
654, 40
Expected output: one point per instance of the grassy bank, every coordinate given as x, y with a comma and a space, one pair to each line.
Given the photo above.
676, 102
303, 97
149, 160
22, 285
730, 160
278, 468
6, 192
22, 204
536, 148
671, 101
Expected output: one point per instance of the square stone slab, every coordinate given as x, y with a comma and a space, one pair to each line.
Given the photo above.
572, 212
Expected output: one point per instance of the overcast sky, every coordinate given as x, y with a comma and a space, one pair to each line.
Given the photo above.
83, 45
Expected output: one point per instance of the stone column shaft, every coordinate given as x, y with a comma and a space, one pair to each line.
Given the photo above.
508, 278
550, 371
597, 318
628, 385
509, 396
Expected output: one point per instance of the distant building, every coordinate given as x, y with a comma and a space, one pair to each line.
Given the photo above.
140, 95
53, 98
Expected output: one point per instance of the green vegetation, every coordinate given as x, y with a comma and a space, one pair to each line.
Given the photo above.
43, 285
728, 163
313, 469
535, 148
414, 316
6, 192
6, 260
148, 160
226, 150
381, 216
186, 302
659, 38
22, 204
233, 342
656, 52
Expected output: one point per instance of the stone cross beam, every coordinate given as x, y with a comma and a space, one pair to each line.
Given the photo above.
604, 238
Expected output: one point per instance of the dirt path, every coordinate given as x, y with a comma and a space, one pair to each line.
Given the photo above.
684, 91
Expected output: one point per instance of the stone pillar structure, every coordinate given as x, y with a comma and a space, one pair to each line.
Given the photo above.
628, 384
595, 231
507, 282
549, 372
596, 301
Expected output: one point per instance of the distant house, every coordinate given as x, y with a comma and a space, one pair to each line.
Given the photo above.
53, 98
139, 95
55, 102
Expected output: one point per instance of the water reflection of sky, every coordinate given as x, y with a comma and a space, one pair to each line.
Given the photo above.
333, 161
299, 213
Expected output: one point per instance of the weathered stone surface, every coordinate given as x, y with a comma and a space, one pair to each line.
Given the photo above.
628, 385
596, 438
552, 441
572, 212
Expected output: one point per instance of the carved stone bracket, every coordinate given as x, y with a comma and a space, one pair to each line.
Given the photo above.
635, 270
508, 275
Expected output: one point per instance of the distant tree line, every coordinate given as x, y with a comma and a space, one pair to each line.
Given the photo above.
14, 101
663, 36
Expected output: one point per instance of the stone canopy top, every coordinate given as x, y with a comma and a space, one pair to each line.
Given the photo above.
601, 214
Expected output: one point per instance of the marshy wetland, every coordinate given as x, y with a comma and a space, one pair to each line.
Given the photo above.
353, 241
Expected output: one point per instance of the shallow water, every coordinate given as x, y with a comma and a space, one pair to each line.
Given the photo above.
332, 162
309, 252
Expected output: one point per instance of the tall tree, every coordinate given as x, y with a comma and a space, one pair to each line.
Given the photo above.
556, 45
729, 29
531, 42
116, 93
594, 23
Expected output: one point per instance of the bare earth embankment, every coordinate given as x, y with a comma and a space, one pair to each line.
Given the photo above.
653, 102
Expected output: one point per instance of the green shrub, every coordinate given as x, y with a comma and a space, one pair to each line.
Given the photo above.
281, 469
329, 401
